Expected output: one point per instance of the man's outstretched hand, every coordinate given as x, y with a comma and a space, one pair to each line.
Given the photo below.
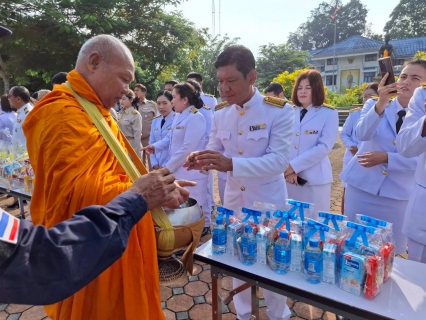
160, 188
208, 160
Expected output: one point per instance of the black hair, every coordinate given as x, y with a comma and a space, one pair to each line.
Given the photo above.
130, 95
239, 55
165, 93
21, 92
414, 61
5, 104
59, 78
172, 82
195, 75
35, 95
274, 87
187, 90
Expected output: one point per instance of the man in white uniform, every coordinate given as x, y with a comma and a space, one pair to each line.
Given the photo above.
250, 140
411, 142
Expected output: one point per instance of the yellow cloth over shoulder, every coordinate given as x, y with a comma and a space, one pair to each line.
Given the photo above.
75, 168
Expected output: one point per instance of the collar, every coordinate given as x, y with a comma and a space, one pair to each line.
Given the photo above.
308, 108
170, 115
21, 110
128, 110
256, 99
398, 106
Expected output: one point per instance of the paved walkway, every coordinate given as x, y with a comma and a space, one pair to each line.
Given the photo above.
192, 297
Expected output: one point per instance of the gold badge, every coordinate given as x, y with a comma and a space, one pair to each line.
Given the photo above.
26, 110
258, 127
179, 127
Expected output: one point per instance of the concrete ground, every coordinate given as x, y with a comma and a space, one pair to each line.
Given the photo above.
191, 298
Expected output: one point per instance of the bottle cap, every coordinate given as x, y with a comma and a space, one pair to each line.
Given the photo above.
248, 229
283, 234
219, 220
314, 243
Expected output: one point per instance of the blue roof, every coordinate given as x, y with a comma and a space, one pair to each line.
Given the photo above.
357, 43
409, 46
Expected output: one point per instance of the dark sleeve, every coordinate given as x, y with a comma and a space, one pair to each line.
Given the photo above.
47, 266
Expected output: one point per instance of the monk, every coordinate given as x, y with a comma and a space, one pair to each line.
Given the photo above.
75, 168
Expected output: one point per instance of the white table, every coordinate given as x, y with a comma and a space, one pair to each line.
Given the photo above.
403, 296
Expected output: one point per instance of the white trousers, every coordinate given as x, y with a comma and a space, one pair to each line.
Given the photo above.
416, 251
221, 186
210, 190
319, 195
276, 303
199, 193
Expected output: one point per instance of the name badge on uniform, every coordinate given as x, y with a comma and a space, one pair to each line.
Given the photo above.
179, 127
258, 127
26, 110
311, 132
9, 227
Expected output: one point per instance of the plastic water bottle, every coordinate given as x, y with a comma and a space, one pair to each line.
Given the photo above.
248, 246
313, 262
282, 253
219, 237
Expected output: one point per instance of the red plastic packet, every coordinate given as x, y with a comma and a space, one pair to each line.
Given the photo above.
388, 252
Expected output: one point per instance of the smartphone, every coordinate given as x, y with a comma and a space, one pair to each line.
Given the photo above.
385, 66
300, 181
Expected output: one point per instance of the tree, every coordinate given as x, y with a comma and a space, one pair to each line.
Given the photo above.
48, 34
408, 19
287, 80
318, 31
274, 59
420, 55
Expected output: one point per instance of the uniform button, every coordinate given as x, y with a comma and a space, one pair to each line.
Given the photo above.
240, 132
241, 113
394, 142
243, 188
240, 151
295, 147
298, 134
385, 172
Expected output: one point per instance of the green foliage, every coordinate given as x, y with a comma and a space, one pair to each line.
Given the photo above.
408, 19
47, 35
287, 80
274, 59
144, 76
420, 55
318, 30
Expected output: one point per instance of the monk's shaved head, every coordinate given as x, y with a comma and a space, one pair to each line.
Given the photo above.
108, 67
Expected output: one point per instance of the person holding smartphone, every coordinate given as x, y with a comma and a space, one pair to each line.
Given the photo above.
380, 180
316, 125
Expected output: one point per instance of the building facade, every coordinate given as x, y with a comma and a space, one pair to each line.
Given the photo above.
354, 61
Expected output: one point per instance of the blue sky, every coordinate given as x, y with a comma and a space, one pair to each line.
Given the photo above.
259, 22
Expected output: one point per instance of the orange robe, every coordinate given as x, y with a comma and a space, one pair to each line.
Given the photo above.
75, 168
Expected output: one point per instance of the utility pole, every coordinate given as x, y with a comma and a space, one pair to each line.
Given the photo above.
334, 16
213, 19
219, 18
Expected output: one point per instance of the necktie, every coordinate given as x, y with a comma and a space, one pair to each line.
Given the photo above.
302, 113
401, 114
163, 121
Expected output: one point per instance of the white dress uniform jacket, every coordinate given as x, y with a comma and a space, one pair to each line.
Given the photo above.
348, 136
157, 134
208, 116
186, 136
18, 136
313, 139
392, 180
257, 138
410, 143
209, 100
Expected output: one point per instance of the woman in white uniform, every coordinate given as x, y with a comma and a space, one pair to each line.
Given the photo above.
186, 136
316, 126
161, 126
348, 136
380, 180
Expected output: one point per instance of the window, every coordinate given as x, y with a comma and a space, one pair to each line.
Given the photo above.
399, 62
329, 80
368, 76
371, 57
330, 61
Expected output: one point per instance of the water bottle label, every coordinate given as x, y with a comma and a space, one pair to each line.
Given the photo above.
282, 256
313, 265
248, 249
219, 238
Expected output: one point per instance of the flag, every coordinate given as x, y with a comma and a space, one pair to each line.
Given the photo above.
335, 13
9, 227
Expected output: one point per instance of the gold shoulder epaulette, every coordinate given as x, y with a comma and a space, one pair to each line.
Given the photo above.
194, 110
328, 106
221, 105
423, 84
274, 101
355, 109
375, 98
153, 102
209, 95
135, 112
206, 107
157, 116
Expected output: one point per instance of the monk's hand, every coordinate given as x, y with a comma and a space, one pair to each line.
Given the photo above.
149, 149
180, 195
208, 160
371, 159
155, 187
